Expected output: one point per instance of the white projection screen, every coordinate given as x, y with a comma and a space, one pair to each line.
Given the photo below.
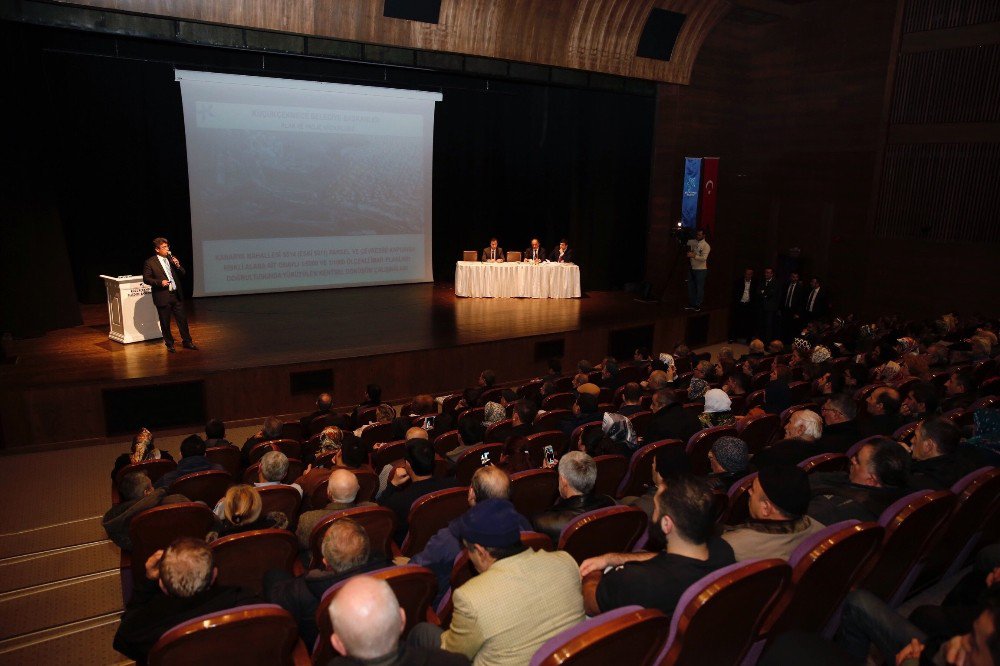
306, 185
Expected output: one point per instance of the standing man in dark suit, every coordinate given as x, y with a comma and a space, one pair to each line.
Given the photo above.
768, 302
744, 300
563, 255
161, 272
817, 301
793, 304
534, 254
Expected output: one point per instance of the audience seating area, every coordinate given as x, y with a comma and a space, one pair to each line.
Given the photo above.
921, 538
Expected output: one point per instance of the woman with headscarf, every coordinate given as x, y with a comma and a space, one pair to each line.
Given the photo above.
777, 396
143, 449
696, 389
619, 430
718, 410
986, 441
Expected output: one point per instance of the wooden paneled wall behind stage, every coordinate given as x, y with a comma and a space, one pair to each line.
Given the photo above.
801, 110
591, 35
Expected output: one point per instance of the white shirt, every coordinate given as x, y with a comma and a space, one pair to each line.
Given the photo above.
166, 269
812, 298
745, 298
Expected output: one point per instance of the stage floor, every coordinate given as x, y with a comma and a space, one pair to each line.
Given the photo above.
271, 353
301, 327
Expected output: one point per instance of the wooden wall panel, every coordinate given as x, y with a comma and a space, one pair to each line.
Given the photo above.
591, 35
948, 86
937, 14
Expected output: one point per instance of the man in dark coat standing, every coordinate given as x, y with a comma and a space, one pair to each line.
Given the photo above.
161, 273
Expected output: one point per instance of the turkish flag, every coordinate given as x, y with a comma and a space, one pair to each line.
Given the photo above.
709, 190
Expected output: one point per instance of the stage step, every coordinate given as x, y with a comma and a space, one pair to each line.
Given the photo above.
51, 605
82, 643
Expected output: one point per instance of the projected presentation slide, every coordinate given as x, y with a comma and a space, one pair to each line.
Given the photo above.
306, 185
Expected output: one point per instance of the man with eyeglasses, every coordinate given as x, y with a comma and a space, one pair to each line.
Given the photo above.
840, 430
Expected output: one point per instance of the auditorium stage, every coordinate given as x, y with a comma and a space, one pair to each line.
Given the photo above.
272, 353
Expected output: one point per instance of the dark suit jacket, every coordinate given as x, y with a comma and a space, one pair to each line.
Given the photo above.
768, 296
541, 253
153, 275
738, 291
500, 254
671, 422
798, 298
820, 306
567, 255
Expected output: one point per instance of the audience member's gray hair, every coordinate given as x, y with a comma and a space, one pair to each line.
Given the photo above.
186, 567
274, 466
134, 485
345, 546
365, 617
579, 470
844, 404
811, 422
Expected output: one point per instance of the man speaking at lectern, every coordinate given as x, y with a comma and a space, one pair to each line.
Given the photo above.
161, 273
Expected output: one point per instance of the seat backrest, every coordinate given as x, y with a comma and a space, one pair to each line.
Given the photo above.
985, 402
550, 420
534, 490
757, 431
738, 510
380, 432
701, 443
611, 529
154, 469
389, 452
256, 634
856, 446
904, 432
640, 421
535, 445
564, 384
475, 457
499, 431
290, 447
640, 467
368, 484
578, 432
474, 414
611, 470
430, 513
754, 399
208, 486
529, 390
558, 401
492, 394
825, 567
861, 396
243, 558
293, 430
413, 586
799, 391
911, 524
322, 421
723, 599
227, 456
378, 522
629, 635
446, 441
978, 498
157, 528
826, 462
365, 415
285, 499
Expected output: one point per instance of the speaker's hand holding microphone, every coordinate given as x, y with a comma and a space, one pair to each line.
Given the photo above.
173, 259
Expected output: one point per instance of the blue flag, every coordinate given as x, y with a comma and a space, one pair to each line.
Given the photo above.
692, 185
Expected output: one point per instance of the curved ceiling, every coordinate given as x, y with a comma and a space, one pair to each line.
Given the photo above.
591, 35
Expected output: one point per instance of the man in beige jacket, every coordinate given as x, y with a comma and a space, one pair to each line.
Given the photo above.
520, 599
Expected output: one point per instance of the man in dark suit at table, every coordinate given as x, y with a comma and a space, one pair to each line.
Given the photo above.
534, 254
493, 253
161, 272
563, 255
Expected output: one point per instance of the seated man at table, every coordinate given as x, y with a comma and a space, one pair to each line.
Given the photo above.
493, 253
564, 255
534, 254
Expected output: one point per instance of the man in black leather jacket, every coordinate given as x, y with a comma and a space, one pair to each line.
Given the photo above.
577, 475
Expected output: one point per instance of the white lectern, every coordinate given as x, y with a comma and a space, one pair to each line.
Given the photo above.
130, 309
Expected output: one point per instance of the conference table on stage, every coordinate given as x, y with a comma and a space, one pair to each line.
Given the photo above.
517, 280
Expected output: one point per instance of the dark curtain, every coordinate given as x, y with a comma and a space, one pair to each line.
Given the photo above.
511, 159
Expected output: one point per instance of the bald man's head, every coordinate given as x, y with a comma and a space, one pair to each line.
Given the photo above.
366, 617
489, 482
342, 486
416, 432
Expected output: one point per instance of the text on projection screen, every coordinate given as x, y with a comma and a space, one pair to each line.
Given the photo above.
306, 185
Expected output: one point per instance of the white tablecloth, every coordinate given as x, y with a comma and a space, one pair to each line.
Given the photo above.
506, 280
